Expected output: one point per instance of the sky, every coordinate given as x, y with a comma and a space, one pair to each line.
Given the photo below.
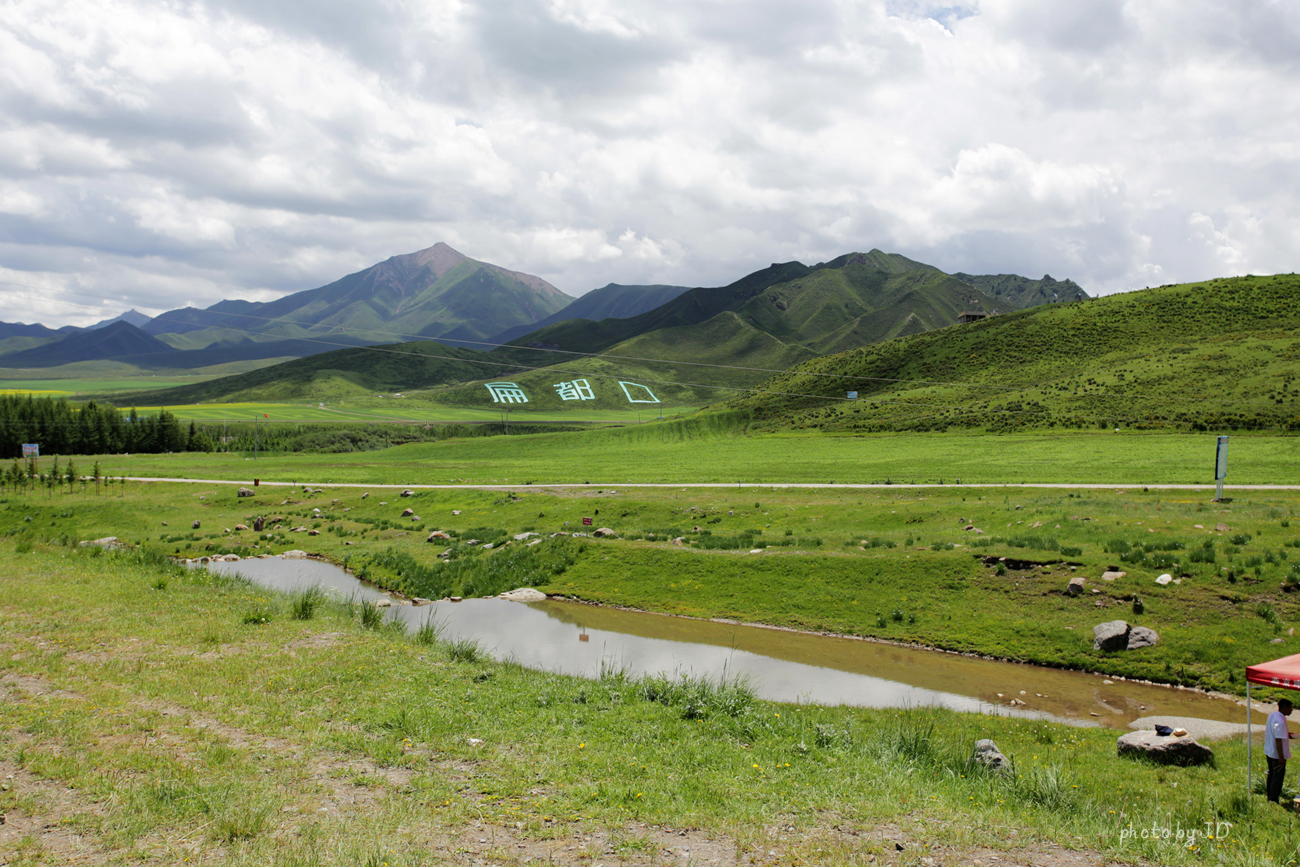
162, 154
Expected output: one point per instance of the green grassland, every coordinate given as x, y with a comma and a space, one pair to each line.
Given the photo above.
1218, 355
155, 715
710, 448
894, 564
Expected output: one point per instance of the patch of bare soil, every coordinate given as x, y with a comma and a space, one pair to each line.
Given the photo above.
38, 821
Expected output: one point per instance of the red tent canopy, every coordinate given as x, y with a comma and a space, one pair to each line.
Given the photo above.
1284, 672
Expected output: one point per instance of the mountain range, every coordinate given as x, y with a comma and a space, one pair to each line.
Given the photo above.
694, 343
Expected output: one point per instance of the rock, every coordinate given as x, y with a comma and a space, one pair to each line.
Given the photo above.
437, 536
196, 525
406, 513
241, 526
259, 523
366, 494
406, 494
1222, 527
1112, 576
164, 523
524, 594
1110, 636
294, 555
455, 511
383, 602
417, 601
756, 550
1273, 641
604, 533
473, 541
108, 542
488, 547
245, 492
1141, 636
313, 532
453, 598
1164, 579
534, 542
987, 754
415, 517
1164, 750
522, 536
1075, 587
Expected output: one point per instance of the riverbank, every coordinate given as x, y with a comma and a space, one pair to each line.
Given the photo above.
980, 573
154, 714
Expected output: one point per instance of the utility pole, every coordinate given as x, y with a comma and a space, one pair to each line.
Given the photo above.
256, 437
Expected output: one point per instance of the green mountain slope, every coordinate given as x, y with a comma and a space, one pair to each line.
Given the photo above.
435, 293
1219, 355
421, 364
614, 301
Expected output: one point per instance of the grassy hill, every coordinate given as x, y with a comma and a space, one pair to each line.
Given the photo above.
339, 373
1222, 354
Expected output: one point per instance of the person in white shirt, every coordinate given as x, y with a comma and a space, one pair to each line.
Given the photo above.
1277, 748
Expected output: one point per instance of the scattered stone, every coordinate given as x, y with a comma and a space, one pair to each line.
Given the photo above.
241, 527
196, 525
455, 511
1113, 576
453, 599
756, 550
313, 532
245, 492
1112, 635
524, 594
1272, 641
1164, 579
315, 511
473, 541
1164, 750
415, 517
259, 524
383, 602
488, 547
1076, 586
522, 536
604, 533
406, 513
1199, 526
1222, 527
1142, 636
366, 494
437, 536
534, 542
164, 523
987, 754
406, 493
294, 555
420, 600
473, 742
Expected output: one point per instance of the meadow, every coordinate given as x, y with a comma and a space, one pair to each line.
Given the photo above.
157, 715
712, 448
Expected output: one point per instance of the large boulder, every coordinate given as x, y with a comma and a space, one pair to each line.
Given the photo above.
1110, 636
524, 594
406, 513
1075, 587
1141, 636
245, 492
605, 533
1167, 750
259, 523
987, 754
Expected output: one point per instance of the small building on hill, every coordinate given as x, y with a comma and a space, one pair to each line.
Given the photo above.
972, 316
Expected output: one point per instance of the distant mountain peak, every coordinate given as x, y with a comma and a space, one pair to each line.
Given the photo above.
133, 316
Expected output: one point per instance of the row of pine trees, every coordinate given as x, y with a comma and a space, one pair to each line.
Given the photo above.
92, 429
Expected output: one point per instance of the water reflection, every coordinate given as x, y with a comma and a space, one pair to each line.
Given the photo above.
782, 666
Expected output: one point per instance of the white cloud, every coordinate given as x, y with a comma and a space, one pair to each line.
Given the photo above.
248, 148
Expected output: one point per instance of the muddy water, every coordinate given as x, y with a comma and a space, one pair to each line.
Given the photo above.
782, 666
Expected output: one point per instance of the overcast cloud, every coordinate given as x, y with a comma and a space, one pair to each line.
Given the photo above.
161, 154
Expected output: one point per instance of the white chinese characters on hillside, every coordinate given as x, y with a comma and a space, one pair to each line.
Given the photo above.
506, 392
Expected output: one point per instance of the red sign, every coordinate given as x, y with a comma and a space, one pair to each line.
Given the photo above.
586, 522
